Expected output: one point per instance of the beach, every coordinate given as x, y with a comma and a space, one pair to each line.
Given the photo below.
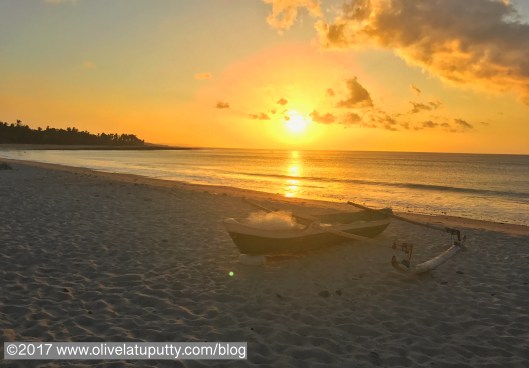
92, 256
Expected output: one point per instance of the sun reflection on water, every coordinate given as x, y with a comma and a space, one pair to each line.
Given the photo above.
293, 170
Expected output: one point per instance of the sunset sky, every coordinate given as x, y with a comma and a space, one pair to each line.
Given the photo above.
390, 75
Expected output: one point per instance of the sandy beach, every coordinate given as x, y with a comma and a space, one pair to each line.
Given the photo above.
90, 256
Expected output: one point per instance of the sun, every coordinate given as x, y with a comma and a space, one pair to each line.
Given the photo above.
296, 123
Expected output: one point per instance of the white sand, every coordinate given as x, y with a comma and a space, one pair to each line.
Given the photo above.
88, 256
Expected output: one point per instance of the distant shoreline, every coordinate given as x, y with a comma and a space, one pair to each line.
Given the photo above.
73, 147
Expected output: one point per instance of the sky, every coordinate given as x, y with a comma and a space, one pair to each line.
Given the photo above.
385, 75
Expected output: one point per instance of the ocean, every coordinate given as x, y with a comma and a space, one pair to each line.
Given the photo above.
485, 187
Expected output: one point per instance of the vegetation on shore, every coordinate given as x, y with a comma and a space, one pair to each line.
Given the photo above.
18, 133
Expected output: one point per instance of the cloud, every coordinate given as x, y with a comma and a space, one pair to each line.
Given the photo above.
372, 119
282, 102
222, 105
375, 118
419, 106
381, 119
322, 118
358, 95
330, 92
435, 104
350, 119
462, 124
260, 116
482, 43
415, 89
203, 76
87, 64
429, 124
345, 119
285, 12
454, 126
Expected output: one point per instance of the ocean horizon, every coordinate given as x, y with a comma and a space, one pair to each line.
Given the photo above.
491, 187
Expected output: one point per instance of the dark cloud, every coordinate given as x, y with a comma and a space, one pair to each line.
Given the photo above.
429, 124
419, 106
462, 124
260, 116
375, 118
415, 89
282, 101
351, 119
222, 105
330, 92
358, 96
383, 120
345, 119
405, 125
482, 43
454, 126
322, 118
435, 104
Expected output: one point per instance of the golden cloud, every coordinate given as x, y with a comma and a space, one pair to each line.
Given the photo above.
285, 12
358, 96
222, 105
473, 42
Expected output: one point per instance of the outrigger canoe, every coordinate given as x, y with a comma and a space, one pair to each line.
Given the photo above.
313, 232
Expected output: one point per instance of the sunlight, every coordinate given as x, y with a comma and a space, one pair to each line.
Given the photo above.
292, 188
293, 170
296, 122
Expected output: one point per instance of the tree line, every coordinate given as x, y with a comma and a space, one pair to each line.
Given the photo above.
18, 133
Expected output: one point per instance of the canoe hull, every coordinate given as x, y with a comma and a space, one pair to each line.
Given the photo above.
258, 245
255, 241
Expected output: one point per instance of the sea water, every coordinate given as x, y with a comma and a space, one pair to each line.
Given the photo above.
487, 187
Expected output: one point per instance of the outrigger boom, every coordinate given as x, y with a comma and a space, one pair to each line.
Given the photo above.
314, 222
429, 265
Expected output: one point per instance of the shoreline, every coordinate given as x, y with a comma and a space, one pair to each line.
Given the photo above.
444, 220
77, 147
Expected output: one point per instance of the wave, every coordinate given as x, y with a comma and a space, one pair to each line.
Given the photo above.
418, 186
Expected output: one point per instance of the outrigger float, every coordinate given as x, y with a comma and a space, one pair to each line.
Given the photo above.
319, 231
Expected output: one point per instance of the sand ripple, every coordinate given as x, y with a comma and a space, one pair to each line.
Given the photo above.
88, 259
